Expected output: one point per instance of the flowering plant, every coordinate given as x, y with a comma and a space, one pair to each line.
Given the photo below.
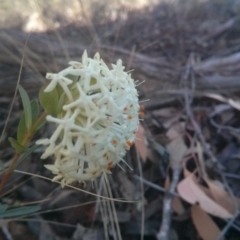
95, 110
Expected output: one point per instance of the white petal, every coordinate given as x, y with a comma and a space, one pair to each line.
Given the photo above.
51, 167
84, 57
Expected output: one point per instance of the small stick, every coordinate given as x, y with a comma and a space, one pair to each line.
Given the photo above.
167, 206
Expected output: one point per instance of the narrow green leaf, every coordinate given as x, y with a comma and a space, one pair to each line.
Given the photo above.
26, 106
16, 145
3, 207
25, 155
49, 100
20, 211
35, 110
22, 129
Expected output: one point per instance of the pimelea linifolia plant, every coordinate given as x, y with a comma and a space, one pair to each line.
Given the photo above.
96, 119
95, 110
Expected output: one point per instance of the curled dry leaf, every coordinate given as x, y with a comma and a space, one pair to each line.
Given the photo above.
192, 192
204, 224
221, 196
140, 143
176, 147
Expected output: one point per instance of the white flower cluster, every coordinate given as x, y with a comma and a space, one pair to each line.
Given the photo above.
97, 123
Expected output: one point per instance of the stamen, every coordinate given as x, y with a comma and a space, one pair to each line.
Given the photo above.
139, 83
146, 100
129, 143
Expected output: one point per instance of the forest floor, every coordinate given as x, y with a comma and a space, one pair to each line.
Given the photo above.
185, 180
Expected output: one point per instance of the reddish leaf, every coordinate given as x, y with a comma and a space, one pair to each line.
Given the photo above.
204, 224
192, 192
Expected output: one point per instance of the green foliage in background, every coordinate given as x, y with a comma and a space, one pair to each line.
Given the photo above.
6, 212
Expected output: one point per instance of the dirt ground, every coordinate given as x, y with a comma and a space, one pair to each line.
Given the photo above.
185, 177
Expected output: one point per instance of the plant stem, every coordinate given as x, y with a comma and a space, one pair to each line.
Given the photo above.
24, 143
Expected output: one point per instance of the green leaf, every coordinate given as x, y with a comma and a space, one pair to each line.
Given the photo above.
16, 145
26, 106
49, 100
35, 110
22, 129
3, 207
20, 211
25, 155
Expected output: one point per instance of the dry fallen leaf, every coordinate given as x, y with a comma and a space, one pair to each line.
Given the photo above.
185, 191
204, 224
140, 143
178, 206
192, 192
218, 193
216, 188
221, 196
176, 147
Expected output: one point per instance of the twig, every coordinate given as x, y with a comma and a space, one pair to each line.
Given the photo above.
153, 185
167, 206
220, 29
211, 64
188, 95
6, 233
207, 150
142, 196
223, 127
235, 204
231, 175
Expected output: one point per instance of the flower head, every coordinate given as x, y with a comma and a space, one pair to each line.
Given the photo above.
96, 120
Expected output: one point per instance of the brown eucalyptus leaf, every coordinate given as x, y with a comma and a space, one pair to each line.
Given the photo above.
192, 192
204, 224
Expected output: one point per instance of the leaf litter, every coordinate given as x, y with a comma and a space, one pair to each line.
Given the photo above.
203, 202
